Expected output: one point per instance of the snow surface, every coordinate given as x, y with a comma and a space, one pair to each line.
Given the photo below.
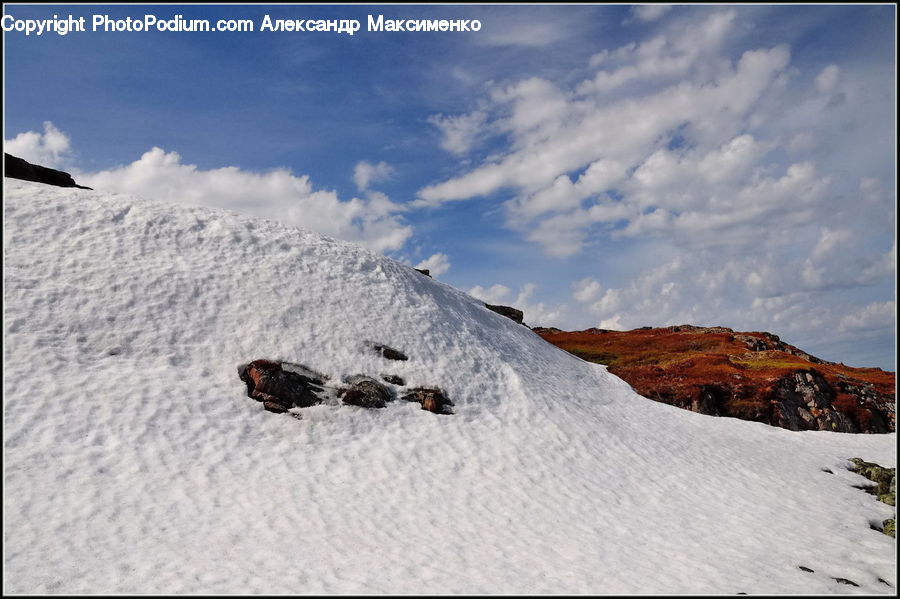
134, 462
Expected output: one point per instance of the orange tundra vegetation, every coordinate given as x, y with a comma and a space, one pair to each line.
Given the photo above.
752, 376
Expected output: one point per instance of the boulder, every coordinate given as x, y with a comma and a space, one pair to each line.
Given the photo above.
280, 384
365, 392
393, 379
425, 272
511, 313
390, 353
17, 168
431, 399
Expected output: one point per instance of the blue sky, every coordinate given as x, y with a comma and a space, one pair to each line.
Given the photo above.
614, 166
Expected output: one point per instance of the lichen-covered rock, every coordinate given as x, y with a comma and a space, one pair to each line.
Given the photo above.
885, 479
889, 527
365, 392
431, 399
393, 379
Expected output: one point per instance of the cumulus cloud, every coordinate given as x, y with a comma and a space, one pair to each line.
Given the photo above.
437, 264
278, 194
586, 290
366, 173
828, 78
745, 195
374, 221
649, 12
535, 313
459, 133
877, 315
52, 148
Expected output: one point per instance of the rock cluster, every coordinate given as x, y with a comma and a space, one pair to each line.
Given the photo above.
885, 488
283, 386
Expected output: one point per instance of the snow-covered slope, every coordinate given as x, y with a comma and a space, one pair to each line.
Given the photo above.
135, 462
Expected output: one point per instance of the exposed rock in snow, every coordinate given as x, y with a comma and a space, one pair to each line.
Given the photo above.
19, 168
275, 383
365, 392
431, 399
507, 311
390, 353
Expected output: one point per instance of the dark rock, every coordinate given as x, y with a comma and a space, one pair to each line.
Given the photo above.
511, 313
425, 272
393, 379
365, 392
712, 400
845, 581
390, 353
17, 168
271, 406
431, 399
278, 383
805, 401
540, 330
805, 569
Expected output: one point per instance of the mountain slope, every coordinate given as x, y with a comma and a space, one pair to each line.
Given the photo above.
135, 462
753, 376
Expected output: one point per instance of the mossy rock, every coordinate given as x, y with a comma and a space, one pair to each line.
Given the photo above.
889, 527
885, 479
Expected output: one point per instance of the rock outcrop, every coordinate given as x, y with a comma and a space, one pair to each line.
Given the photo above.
18, 168
749, 375
511, 313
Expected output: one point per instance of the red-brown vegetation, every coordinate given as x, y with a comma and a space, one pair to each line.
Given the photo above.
753, 376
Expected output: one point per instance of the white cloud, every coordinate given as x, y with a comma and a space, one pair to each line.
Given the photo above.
52, 148
535, 313
437, 264
649, 12
495, 294
877, 315
278, 194
529, 31
459, 133
827, 80
586, 290
366, 173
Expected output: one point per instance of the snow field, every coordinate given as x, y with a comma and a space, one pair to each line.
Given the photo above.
134, 462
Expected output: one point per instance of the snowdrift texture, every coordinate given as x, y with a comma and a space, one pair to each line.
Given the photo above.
134, 461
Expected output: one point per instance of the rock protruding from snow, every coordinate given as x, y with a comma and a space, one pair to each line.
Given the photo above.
431, 399
393, 379
507, 311
365, 392
276, 384
19, 168
390, 353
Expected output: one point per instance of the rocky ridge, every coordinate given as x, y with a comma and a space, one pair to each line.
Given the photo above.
748, 375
